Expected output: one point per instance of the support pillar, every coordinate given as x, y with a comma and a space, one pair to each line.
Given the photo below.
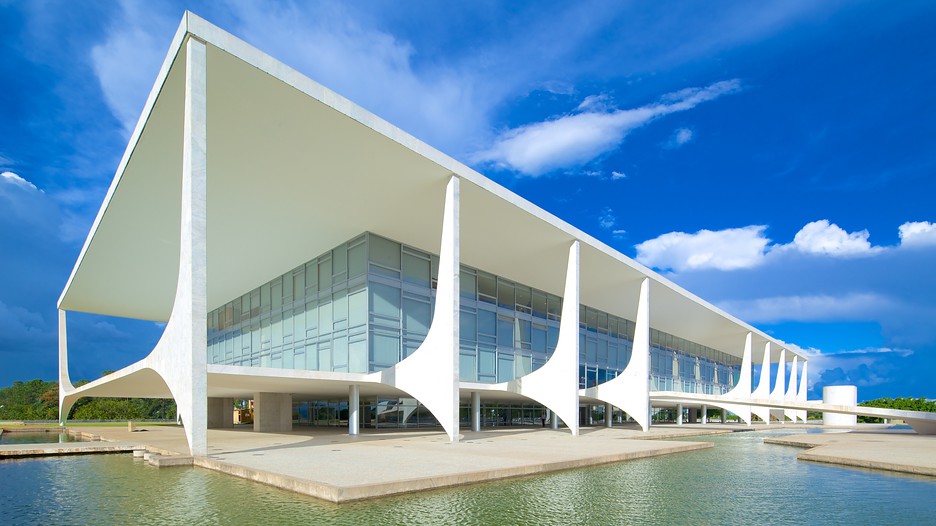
704, 414
609, 415
555, 421
220, 413
272, 412
724, 416
65, 385
354, 407
679, 414
475, 411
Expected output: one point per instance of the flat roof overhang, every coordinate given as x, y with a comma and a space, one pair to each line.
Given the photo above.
295, 169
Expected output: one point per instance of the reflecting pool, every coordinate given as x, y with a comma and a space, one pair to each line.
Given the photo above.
19, 437
739, 481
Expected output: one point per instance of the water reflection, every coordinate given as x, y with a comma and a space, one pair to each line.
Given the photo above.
740, 480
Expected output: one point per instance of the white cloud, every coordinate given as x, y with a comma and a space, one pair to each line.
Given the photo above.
680, 137
606, 220
573, 140
127, 63
917, 233
16, 180
747, 247
618, 175
852, 306
729, 249
822, 237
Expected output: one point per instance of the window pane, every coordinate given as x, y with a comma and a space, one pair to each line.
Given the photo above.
384, 252
505, 294
325, 274
415, 316
539, 304
468, 285
415, 270
467, 368
385, 300
356, 263
357, 308
385, 349
487, 322
487, 286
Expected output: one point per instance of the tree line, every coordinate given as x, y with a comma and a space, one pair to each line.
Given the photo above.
903, 404
38, 400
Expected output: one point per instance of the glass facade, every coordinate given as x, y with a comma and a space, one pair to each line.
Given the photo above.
368, 303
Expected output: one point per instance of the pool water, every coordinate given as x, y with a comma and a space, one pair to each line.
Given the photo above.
739, 481
19, 437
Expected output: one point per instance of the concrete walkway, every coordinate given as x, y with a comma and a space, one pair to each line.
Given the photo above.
891, 450
327, 463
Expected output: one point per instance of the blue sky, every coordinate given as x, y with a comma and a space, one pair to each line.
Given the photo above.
775, 158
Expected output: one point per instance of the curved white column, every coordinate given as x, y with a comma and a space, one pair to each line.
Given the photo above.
763, 387
630, 390
180, 356
555, 384
430, 374
779, 383
742, 390
801, 393
66, 402
790, 395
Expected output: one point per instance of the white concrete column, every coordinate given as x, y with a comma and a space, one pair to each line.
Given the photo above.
790, 395
181, 356
742, 390
354, 406
801, 393
763, 387
554, 421
779, 384
555, 384
430, 374
704, 414
724, 416
475, 411
609, 414
65, 402
630, 390
679, 409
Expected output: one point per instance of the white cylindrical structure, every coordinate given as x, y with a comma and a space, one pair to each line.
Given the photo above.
839, 395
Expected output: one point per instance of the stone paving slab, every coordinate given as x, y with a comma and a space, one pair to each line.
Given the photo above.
64, 448
327, 463
904, 452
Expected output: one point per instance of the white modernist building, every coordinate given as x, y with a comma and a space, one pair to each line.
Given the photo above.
310, 256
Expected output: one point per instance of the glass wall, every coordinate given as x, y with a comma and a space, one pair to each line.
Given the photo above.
368, 303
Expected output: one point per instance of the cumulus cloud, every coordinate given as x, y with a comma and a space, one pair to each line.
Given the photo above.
748, 247
822, 237
618, 175
917, 233
16, 180
680, 137
606, 220
729, 249
575, 139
